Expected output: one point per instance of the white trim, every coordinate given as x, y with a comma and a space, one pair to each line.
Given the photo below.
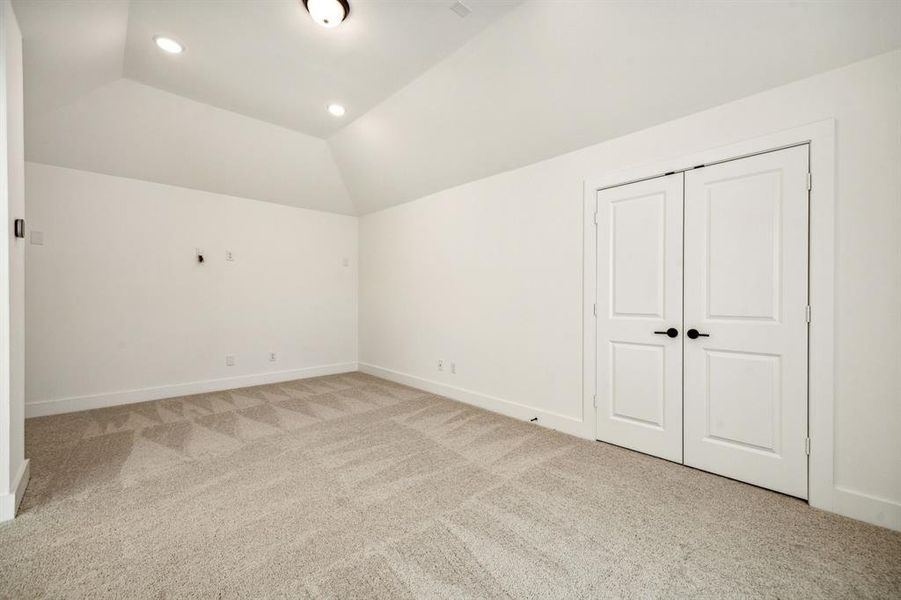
65, 405
9, 503
823, 492
509, 408
821, 337
589, 318
866, 507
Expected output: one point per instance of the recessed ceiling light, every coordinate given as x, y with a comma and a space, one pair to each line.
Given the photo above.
169, 45
328, 13
336, 110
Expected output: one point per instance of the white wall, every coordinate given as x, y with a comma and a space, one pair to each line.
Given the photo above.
119, 309
13, 466
489, 274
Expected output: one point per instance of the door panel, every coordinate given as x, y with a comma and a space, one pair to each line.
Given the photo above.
637, 245
745, 386
639, 388
637, 383
743, 216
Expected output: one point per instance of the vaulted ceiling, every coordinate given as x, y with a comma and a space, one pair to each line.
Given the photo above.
433, 99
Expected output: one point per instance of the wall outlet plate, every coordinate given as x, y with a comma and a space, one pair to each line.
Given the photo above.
229, 360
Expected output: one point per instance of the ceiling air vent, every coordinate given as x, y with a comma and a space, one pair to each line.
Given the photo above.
461, 9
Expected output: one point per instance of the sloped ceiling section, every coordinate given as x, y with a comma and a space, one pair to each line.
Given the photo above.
129, 129
81, 113
269, 60
552, 77
70, 48
433, 100
243, 110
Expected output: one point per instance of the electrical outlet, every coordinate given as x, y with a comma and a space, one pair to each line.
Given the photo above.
440, 365
453, 368
229, 360
272, 357
229, 256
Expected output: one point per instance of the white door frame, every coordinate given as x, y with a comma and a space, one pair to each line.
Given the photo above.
821, 137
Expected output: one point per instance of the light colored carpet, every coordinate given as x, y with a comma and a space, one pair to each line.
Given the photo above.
353, 487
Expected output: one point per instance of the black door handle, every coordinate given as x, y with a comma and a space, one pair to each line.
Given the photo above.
694, 334
671, 332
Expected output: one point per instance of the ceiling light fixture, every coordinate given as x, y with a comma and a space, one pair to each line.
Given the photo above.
336, 110
328, 13
167, 44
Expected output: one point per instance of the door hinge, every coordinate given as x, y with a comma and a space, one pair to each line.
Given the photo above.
594, 309
594, 400
807, 446
809, 182
808, 313
595, 218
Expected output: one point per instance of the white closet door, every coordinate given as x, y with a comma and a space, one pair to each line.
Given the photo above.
639, 387
746, 287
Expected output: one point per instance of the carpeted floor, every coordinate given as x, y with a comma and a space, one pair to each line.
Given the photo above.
353, 487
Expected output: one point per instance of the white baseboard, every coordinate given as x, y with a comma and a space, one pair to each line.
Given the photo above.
509, 408
866, 507
43, 408
9, 503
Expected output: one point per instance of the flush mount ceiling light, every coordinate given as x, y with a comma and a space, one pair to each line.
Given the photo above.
328, 13
167, 44
336, 110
